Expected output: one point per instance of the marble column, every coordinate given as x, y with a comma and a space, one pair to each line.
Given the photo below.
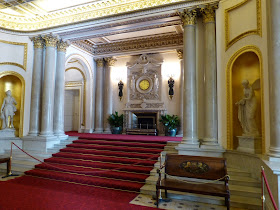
58, 117
274, 75
35, 109
48, 86
99, 96
210, 71
180, 56
190, 139
108, 103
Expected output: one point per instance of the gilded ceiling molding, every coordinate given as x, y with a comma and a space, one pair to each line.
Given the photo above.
95, 10
208, 13
110, 61
25, 45
180, 54
62, 45
256, 50
188, 16
173, 40
257, 31
38, 42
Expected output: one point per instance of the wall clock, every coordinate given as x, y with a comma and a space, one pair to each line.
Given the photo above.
144, 84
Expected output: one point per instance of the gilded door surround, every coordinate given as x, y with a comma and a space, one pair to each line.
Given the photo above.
256, 50
73, 84
12, 73
257, 31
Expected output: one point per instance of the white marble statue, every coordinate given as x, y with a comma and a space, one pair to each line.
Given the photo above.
247, 108
156, 83
8, 109
132, 83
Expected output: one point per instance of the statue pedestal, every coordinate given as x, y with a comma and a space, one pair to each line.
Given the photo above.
7, 133
250, 144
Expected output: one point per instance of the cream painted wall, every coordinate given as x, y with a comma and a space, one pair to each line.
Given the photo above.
26, 74
223, 57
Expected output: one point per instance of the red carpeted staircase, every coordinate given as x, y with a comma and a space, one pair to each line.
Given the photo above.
122, 163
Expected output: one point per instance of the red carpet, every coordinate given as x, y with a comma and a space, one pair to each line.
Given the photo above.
113, 164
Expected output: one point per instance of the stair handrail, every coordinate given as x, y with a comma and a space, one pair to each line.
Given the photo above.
265, 183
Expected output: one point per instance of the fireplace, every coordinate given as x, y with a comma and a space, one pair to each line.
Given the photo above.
144, 120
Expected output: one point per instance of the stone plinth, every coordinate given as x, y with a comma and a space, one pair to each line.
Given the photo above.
7, 133
5, 143
250, 144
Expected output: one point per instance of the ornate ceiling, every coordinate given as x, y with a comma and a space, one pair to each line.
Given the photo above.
100, 26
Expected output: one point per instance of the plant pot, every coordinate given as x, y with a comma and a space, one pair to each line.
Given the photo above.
172, 132
116, 130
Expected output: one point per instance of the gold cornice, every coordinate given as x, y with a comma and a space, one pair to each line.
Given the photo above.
188, 17
208, 13
7, 73
257, 31
111, 61
72, 84
87, 12
38, 42
25, 45
256, 50
180, 54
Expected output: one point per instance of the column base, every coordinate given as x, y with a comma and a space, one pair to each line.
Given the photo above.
39, 143
108, 131
209, 143
274, 154
33, 133
98, 130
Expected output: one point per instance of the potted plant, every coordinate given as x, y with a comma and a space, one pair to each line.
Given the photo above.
116, 122
171, 123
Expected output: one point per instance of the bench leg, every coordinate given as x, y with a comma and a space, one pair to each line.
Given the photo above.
157, 201
227, 201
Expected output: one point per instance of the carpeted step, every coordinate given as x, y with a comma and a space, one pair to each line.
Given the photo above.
116, 148
110, 153
95, 172
100, 165
88, 180
120, 143
105, 159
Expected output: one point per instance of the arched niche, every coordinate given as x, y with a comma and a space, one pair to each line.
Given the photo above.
244, 64
13, 81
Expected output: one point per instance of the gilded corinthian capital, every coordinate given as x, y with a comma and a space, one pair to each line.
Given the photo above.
50, 40
111, 61
99, 62
180, 54
208, 13
188, 17
62, 45
38, 42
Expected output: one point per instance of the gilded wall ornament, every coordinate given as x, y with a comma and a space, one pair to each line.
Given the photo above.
38, 42
180, 54
188, 17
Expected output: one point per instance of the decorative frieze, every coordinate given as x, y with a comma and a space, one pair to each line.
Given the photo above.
51, 40
208, 13
38, 42
188, 17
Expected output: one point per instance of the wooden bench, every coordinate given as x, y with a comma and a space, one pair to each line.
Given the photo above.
207, 168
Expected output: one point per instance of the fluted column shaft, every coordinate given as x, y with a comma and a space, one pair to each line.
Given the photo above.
35, 109
58, 118
99, 97
108, 108
211, 125
180, 56
274, 75
48, 86
189, 99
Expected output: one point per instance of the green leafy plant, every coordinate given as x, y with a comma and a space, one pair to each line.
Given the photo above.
170, 121
115, 120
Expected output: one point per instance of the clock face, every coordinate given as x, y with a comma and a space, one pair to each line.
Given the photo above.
144, 84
